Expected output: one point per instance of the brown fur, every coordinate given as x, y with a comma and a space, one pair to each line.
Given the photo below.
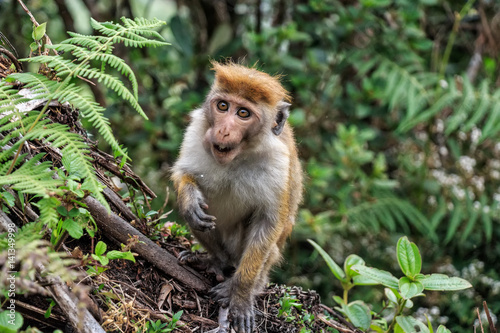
249, 83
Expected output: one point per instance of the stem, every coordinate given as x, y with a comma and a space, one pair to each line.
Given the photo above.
398, 312
453, 36
35, 23
346, 292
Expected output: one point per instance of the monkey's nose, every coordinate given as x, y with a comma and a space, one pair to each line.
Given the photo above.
223, 133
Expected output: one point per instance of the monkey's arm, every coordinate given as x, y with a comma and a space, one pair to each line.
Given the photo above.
191, 202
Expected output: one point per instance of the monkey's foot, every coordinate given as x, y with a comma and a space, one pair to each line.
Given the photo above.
221, 293
240, 308
243, 318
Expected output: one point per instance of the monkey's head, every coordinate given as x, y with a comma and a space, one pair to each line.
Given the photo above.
243, 106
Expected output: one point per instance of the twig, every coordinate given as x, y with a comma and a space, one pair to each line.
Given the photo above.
486, 27
490, 320
47, 39
12, 58
340, 319
479, 318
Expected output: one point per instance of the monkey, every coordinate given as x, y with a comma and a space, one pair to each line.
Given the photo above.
238, 181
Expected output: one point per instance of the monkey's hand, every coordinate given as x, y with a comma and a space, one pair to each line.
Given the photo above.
192, 207
240, 307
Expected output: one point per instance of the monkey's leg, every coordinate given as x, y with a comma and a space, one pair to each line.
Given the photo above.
217, 261
238, 292
263, 279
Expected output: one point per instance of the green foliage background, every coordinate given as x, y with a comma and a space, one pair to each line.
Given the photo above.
397, 127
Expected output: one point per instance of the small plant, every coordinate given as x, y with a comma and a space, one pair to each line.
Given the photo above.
399, 292
287, 303
103, 259
292, 310
159, 327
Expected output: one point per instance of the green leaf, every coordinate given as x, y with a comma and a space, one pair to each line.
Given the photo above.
429, 324
103, 260
350, 261
361, 280
443, 282
376, 3
100, 248
383, 277
442, 329
398, 329
74, 228
74, 212
177, 316
39, 31
409, 288
120, 255
336, 270
409, 257
391, 296
339, 300
62, 210
9, 199
359, 314
411, 325
10, 322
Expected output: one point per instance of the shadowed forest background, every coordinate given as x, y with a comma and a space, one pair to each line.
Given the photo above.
396, 111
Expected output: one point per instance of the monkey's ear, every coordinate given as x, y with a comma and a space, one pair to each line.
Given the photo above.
281, 116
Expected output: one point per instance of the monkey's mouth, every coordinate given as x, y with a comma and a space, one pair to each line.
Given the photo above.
222, 148
224, 153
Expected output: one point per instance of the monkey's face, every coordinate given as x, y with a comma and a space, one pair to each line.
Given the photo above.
233, 123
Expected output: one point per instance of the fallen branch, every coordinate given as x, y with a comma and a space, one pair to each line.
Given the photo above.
117, 228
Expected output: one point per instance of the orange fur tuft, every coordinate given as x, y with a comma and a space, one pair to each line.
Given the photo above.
249, 83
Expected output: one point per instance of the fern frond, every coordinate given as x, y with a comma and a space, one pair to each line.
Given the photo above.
113, 83
4, 167
38, 83
113, 61
16, 127
59, 136
48, 212
21, 128
94, 113
9, 98
33, 178
389, 212
88, 41
472, 107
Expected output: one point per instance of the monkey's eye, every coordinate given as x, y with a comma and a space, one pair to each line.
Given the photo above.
243, 113
223, 105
